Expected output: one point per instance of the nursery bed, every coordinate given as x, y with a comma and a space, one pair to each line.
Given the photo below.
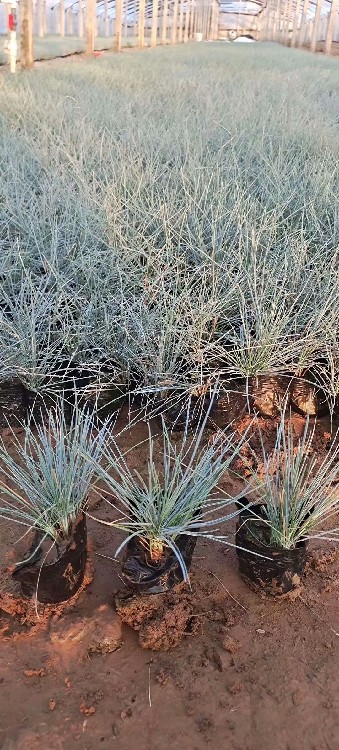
172, 218
247, 670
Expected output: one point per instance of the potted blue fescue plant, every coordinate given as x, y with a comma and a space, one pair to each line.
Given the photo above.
44, 485
297, 500
163, 513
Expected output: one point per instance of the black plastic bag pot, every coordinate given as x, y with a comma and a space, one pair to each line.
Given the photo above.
12, 403
308, 398
142, 574
189, 412
38, 406
103, 397
265, 568
59, 580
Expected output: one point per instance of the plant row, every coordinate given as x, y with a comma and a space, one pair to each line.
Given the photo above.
159, 514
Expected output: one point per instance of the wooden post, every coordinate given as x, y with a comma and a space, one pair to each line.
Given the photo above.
62, 17
207, 19
106, 18
301, 35
210, 21
126, 20
164, 22
187, 20
135, 18
196, 26
203, 18
216, 28
90, 24
275, 21
296, 24
154, 29
71, 21
141, 24
26, 34
40, 19
316, 26
192, 18
181, 21
330, 26
44, 17
80, 20
269, 21
174, 22
118, 25
286, 26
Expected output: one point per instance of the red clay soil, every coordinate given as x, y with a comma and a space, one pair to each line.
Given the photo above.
248, 673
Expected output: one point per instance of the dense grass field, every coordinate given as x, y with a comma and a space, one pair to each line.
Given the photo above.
178, 208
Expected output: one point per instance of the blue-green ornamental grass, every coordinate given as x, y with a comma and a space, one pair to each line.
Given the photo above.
168, 219
179, 494
45, 484
181, 206
299, 490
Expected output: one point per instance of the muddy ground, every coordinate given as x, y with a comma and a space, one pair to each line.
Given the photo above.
250, 673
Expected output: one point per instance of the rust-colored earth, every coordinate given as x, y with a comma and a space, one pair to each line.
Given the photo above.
249, 673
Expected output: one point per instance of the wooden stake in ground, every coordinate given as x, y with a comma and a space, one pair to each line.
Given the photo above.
80, 20
181, 21
315, 29
296, 24
301, 37
154, 31
331, 26
90, 24
62, 17
39, 10
118, 25
174, 22
106, 18
141, 24
164, 22
26, 35
187, 20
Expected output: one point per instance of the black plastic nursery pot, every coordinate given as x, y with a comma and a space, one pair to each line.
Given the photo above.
188, 412
272, 570
56, 581
102, 397
12, 403
38, 405
142, 574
